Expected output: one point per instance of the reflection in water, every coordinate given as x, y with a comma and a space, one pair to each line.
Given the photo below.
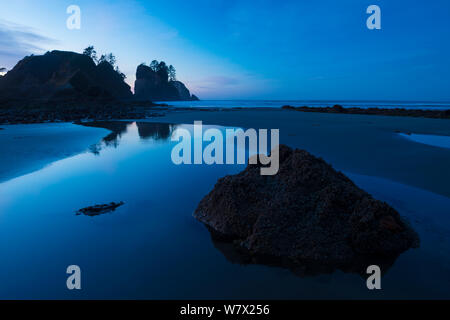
237, 255
232, 252
154, 249
146, 130
156, 131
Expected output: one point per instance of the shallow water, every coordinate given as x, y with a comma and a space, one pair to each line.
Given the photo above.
429, 139
152, 247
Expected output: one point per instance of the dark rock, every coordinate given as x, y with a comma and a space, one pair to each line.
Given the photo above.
155, 86
400, 112
287, 107
99, 209
183, 92
62, 75
307, 213
31, 111
338, 108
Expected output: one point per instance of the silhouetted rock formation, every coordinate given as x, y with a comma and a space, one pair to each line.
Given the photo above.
61, 75
307, 213
155, 86
438, 114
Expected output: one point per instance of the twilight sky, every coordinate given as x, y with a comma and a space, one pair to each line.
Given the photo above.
247, 49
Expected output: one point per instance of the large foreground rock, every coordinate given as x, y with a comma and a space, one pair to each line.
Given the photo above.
307, 213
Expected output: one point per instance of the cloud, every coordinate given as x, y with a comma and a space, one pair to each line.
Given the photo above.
17, 41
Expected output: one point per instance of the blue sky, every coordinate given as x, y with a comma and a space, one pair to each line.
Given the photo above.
254, 49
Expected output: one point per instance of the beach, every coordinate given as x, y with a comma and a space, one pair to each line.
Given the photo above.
362, 144
152, 248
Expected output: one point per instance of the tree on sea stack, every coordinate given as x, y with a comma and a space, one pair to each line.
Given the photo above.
110, 58
90, 52
172, 73
121, 74
154, 65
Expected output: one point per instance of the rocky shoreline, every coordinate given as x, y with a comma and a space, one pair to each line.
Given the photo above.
25, 111
63, 86
399, 112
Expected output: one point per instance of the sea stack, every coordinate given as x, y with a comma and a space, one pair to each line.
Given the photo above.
307, 213
156, 86
62, 76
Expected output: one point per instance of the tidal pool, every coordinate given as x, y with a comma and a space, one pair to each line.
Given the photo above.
152, 247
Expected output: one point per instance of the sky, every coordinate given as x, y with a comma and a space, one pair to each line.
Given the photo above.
247, 49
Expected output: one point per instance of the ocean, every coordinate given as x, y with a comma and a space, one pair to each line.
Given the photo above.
310, 103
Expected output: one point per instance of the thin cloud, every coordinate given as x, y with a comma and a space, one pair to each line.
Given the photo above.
17, 41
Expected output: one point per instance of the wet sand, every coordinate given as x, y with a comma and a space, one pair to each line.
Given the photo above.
30, 147
366, 148
362, 144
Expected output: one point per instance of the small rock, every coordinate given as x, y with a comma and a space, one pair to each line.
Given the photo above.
99, 209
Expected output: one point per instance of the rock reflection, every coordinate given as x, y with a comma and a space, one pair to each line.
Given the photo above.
146, 131
156, 131
237, 255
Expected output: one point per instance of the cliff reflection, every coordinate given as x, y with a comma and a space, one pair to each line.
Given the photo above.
145, 131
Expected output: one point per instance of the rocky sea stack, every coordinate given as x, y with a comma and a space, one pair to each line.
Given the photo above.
63, 75
155, 85
306, 214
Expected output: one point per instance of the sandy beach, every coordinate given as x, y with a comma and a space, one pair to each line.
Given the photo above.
361, 144
68, 176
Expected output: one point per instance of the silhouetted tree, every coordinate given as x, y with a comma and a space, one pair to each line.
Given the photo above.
122, 75
90, 52
162, 66
110, 58
154, 65
163, 71
172, 73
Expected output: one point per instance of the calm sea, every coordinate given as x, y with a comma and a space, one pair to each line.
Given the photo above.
311, 103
